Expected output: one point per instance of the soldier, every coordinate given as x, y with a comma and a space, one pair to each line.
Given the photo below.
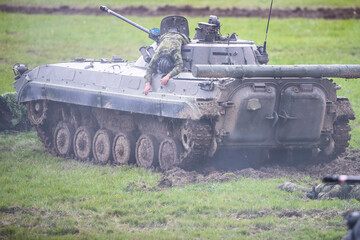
170, 46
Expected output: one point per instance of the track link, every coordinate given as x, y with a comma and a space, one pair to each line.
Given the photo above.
341, 136
342, 128
45, 135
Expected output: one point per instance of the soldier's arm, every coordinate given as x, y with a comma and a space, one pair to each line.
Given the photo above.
152, 68
148, 75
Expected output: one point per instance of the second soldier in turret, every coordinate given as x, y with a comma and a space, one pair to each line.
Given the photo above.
169, 50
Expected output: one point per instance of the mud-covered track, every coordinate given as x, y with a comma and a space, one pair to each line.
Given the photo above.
325, 13
108, 137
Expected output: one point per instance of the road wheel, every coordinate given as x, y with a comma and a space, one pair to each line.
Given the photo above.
63, 136
102, 145
146, 151
123, 148
37, 111
83, 143
169, 153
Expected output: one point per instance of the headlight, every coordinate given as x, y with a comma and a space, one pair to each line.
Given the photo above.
19, 69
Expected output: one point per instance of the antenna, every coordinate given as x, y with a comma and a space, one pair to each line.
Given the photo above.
267, 28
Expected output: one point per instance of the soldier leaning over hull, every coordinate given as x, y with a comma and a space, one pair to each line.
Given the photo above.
169, 47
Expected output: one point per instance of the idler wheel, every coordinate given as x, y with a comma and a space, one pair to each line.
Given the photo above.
146, 151
123, 148
83, 142
63, 136
102, 145
169, 153
37, 111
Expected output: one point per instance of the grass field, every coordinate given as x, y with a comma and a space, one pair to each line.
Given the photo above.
198, 3
46, 197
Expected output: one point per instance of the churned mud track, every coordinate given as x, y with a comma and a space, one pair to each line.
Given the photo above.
345, 164
326, 13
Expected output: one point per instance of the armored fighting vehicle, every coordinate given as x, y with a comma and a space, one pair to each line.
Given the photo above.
226, 97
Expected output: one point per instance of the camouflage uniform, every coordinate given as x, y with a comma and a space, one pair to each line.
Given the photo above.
170, 45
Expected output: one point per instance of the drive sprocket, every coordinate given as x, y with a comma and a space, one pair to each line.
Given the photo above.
37, 111
196, 138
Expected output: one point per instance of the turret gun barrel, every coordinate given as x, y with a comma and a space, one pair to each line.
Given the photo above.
106, 9
241, 71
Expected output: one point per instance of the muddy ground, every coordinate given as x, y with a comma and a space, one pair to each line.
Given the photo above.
346, 164
326, 13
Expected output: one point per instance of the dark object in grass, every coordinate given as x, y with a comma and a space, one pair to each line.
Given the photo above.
353, 219
342, 179
13, 116
353, 223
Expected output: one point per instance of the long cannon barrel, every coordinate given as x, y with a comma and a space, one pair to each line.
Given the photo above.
240, 71
342, 179
106, 9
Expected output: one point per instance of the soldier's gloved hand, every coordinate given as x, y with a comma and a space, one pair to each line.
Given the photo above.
165, 79
147, 89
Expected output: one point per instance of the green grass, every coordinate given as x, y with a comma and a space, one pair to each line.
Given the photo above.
41, 39
46, 197
198, 3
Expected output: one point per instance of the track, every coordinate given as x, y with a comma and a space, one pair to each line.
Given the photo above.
199, 142
107, 137
342, 128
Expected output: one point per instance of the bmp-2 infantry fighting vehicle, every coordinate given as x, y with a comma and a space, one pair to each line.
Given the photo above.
225, 98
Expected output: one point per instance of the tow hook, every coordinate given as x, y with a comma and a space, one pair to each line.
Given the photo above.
208, 86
